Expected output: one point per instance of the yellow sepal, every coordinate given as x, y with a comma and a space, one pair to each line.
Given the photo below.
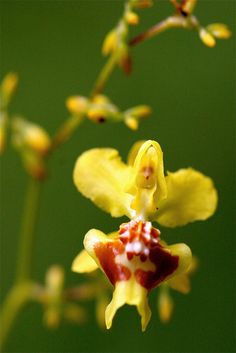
191, 197
83, 263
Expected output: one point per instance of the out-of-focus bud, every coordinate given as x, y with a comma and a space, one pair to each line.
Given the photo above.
37, 138
110, 42
101, 304
219, 30
142, 4
131, 122
165, 305
55, 279
97, 114
132, 18
3, 122
8, 88
31, 136
188, 6
133, 115
140, 111
101, 99
77, 104
207, 38
125, 61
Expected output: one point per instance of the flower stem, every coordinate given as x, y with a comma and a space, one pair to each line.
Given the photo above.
175, 21
26, 242
14, 301
104, 75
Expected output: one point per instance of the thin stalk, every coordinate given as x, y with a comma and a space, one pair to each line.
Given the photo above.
26, 240
104, 75
175, 21
14, 302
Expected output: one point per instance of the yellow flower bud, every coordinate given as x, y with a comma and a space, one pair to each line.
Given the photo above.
77, 104
55, 278
110, 43
219, 30
132, 18
101, 99
207, 38
131, 122
188, 6
97, 114
9, 85
142, 4
3, 123
36, 138
165, 305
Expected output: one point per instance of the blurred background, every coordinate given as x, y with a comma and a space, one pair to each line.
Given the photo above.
55, 47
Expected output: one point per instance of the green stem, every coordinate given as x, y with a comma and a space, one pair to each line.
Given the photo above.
176, 21
15, 300
26, 242
104, 75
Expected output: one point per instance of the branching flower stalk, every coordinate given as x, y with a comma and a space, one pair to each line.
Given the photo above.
35, 147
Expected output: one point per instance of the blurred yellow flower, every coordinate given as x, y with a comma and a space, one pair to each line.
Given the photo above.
134, 258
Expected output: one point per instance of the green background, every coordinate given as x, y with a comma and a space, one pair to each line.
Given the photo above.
55, 48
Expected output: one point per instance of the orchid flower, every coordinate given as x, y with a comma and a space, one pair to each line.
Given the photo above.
135, 258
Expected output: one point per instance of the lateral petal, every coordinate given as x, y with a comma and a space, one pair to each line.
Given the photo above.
101, 176
191, 197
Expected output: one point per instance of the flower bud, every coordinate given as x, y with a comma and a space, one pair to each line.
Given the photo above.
219, 30
55, 278
101, 99
132, 18
3, 123
8, 87
165, 305
97, 114
142, 4
110, 43
77, 104
37, 138
207, 38
131, 122
188, 6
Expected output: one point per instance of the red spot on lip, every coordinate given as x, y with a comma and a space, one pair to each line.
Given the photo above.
106, 253
165, 264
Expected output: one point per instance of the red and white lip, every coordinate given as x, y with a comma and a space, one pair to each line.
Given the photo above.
138, 237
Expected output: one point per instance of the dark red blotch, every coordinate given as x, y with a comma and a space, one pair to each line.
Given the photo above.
165, 264
106, 253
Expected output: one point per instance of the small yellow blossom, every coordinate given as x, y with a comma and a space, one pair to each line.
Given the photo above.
8, 88
207, 38
219, 30
135, 259
132, 18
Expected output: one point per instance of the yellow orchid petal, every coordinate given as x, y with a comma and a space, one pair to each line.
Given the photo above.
191, 197
134, 151
148, 184
132, 293
181, 282
84, 263
100, 175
